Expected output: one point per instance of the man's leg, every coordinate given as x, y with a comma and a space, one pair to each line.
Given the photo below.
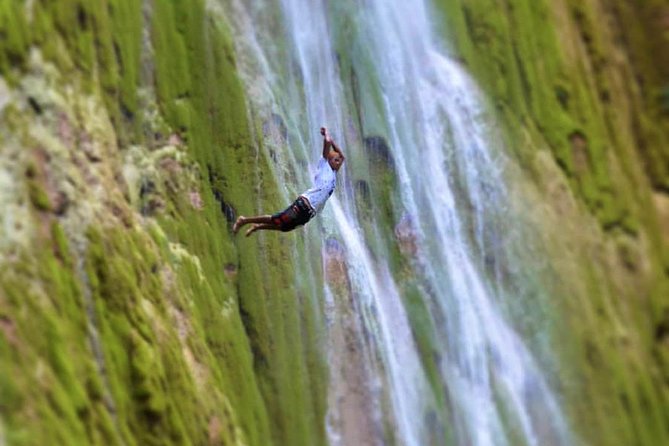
241, 221
262, 226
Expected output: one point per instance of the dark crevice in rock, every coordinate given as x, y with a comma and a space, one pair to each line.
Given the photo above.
146, 187
216, 183
119, 57
362, 191
227, 210
378, 150
150, 199
562, 96
35, 105
662, 329
127, 114
661, 188
82, 17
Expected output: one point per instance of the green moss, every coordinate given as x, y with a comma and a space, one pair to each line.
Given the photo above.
61, 246
172, 61
38, 196
15, 41
126, 18
38, 340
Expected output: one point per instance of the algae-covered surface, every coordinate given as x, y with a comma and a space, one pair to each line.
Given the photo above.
129, 314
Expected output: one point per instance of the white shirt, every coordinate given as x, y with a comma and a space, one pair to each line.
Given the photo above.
324, 184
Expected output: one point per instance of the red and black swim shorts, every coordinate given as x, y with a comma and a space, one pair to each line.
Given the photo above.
297, 214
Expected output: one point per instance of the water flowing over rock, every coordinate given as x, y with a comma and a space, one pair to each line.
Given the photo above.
492, 269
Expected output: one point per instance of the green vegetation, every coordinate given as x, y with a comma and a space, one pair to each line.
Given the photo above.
132, 317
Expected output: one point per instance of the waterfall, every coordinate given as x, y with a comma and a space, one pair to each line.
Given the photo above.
374, 68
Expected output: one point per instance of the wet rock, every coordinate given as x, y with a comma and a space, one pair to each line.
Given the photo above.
363, 200
334, 248
362, 192
226, 208
229, 213
351, 131
351, 394
378, 150
406, 234
336, 271
275, 129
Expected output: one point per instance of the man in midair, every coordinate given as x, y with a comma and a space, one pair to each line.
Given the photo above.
309, 203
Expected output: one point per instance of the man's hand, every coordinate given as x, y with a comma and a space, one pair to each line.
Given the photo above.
327, 139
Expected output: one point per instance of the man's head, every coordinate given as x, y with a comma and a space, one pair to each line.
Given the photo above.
335, 160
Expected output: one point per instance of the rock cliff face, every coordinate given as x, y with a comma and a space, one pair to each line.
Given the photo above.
130, 315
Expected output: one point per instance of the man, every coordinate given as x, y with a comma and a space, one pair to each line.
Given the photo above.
310, 202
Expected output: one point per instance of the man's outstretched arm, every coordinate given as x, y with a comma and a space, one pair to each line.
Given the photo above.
336, 148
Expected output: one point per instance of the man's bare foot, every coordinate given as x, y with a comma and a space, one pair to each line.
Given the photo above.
254, 227
238, 224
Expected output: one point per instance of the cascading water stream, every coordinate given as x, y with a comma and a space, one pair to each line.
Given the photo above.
452, 193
